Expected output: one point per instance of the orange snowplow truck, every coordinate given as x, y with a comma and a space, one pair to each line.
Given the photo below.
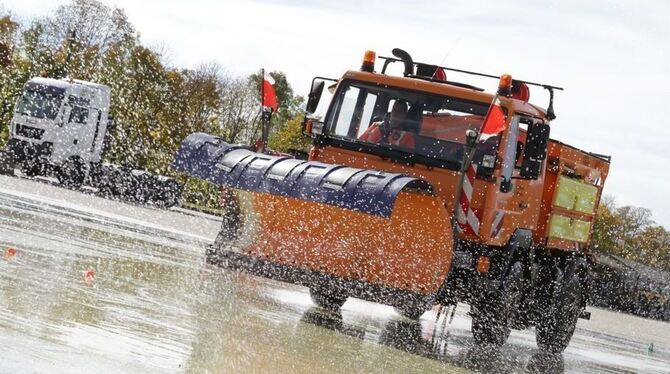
418, 191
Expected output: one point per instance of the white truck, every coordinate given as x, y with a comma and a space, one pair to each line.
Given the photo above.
62, 128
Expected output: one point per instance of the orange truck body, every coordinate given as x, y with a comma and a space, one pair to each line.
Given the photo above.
417, 252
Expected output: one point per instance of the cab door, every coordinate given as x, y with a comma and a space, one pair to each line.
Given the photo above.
516, 200
79, 127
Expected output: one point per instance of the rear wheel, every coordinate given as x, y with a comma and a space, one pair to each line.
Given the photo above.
329, 300
494, 311
557, 324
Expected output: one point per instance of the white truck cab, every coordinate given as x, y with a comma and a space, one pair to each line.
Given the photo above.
61, 123
62, 128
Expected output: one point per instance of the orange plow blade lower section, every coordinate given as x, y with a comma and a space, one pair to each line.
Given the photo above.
410, 251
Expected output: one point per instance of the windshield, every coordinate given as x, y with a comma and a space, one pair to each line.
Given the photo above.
419, 123
39, 104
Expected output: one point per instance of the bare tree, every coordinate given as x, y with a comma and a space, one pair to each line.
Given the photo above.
88, 22
240, 108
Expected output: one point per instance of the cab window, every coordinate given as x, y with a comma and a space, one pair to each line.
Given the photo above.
417, 123
79, 110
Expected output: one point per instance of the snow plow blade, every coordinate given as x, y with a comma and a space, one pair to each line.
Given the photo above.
327, 219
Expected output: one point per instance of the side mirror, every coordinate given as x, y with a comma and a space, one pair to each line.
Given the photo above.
536, 150
314, 96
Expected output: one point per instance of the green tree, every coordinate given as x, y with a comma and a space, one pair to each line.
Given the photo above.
9, 86
630, 232
8, 29
605, 227
652, 247
289, 137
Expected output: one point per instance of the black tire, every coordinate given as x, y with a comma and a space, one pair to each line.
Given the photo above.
327, 299
212, 255
494, 311
31, 168
168, 193
71, 173
557, 324
411, 311
6, 163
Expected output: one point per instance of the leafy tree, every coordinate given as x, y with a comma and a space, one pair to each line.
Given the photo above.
652, 247
289, 137
605, 228
9, 87
630, 232
8, 29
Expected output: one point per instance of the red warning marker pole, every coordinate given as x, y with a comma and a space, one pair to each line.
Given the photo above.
10, 252
89, 276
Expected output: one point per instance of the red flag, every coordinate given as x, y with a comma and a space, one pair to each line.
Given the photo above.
269, 95
495, 119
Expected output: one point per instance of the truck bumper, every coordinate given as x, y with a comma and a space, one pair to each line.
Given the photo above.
314, 279
21, 150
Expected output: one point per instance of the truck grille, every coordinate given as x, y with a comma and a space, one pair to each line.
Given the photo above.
29, 132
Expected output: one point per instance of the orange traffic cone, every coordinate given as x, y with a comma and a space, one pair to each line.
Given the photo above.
89, 276
10, 252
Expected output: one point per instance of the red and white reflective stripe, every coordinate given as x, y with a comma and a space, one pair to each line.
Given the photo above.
468, 218
497, 224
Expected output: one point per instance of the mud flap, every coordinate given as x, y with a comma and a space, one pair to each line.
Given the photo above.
366, 225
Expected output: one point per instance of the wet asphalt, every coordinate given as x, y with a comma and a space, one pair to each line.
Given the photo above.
96, 285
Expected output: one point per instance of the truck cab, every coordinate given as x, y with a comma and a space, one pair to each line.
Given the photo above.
429, 142
59, 124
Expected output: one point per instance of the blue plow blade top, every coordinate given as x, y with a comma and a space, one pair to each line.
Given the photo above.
369, 191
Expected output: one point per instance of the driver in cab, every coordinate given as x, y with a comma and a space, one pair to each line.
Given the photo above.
390, 130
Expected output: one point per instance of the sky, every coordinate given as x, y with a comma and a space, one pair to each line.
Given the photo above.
612, 58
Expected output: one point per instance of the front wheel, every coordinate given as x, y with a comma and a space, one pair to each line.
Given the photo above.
31, 168
494, 311
71, 173
327, 299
